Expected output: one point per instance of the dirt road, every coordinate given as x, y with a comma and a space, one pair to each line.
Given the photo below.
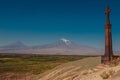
71, 70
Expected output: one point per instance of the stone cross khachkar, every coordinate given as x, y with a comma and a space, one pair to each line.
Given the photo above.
108, 56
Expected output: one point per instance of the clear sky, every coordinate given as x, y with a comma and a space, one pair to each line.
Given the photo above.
44, 21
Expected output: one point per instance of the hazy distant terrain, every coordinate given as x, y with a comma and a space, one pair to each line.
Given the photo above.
60, 47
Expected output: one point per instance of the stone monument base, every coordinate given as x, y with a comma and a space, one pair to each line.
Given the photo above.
108, 60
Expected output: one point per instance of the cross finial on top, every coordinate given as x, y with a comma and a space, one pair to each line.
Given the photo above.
107, 12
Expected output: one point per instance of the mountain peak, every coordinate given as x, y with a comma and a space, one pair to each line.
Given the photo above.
67, 42
17, 43
14, 45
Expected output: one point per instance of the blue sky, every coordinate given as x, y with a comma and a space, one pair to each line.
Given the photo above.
44, 21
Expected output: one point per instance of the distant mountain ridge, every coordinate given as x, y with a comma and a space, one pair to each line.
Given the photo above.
60, 47
15, 45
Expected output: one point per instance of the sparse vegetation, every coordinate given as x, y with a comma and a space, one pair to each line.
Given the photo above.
35, 64
115, 62
23, 67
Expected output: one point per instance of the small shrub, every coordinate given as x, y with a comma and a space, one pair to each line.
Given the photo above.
115, 62
111, 72
106, 75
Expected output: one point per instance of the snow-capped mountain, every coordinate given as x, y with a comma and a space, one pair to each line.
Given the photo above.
67, 42
62, 43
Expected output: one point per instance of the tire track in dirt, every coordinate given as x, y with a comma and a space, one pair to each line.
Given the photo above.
71, 70
67, 73
55, 73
